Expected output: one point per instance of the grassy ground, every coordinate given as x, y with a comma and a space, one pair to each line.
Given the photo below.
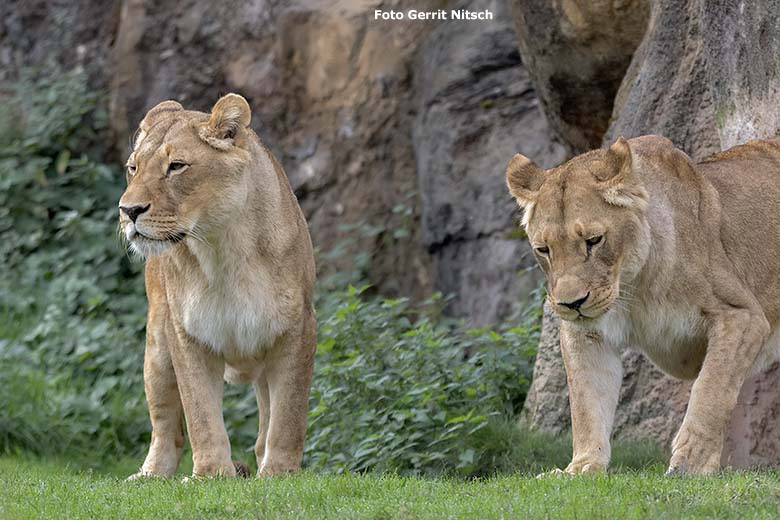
32, 488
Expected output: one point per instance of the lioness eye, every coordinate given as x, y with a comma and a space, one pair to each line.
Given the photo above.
176, 166
131, 169
543, 250
592, 241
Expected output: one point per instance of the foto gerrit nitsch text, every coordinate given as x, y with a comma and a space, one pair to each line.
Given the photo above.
439, 14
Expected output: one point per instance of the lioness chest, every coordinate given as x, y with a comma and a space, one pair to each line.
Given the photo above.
673, 337
236, 316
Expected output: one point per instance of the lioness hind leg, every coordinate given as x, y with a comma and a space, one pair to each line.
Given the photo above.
736, 337
288, 369
264, 412
165, 411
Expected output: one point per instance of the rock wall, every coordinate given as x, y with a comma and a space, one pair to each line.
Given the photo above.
577, 52
395, 134
706, 75
476, 108
77, 33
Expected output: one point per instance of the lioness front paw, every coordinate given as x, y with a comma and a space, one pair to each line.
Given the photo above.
694, 453
553, 473
211, 470
274, 470
143, 474
240, 470
576, 467
581, 467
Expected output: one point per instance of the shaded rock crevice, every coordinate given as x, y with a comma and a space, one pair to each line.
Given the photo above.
577, 52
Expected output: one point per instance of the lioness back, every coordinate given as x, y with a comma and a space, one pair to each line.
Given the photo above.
747, 179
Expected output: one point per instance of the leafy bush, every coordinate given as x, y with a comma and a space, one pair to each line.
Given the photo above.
71, 304
393, 389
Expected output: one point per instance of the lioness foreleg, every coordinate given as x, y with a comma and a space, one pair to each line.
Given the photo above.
165, 410
594, 373
199, 373
288, 369
735, 339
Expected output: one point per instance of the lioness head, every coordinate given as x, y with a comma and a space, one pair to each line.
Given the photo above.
184, 173
585, 222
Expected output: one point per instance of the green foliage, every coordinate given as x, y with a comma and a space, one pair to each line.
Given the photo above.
393, 387
71, 305
395, 391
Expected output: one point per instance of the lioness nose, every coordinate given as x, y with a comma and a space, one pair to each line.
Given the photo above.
134, 211
576, 304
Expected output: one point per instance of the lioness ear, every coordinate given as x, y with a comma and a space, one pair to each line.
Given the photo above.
523, 178
618, 162
228, 116
621, 187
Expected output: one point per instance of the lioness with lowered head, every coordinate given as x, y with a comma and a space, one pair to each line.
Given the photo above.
642, 247
229, 279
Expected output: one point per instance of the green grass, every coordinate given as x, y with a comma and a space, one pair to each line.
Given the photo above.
31, 488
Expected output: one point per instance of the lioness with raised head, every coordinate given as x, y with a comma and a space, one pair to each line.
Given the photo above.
229, 279
642, 247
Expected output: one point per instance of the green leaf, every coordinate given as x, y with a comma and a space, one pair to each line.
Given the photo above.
61, 164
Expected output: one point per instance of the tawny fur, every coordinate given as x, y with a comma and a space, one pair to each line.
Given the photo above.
686, 271
229, 279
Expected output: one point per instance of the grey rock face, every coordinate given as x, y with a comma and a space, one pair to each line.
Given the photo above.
475, 109
666, 89
577, 52
743, 43
76, 33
